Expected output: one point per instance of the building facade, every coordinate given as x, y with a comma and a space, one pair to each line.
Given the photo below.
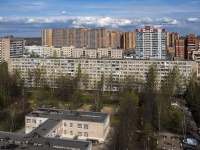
71, 123
180, 48
47, 37
150, 43
82, 37
72, 52
129, 40
33, 49
11, 47
119, 69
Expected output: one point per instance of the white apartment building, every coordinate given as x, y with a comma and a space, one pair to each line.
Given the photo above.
150, 43
95, 68
36, 49
72, 52
51, 51
68, 124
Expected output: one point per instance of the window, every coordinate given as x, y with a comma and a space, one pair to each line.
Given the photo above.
79, 133
65, 132
79, 126
40, 121
34, 121
65, 124
85, 134
28, 121
71, 132
85, 126
71, 124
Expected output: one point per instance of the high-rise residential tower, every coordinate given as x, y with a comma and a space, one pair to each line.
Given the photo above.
47, 37
150, 43
192, 44
180, 48
82, 37
129, 40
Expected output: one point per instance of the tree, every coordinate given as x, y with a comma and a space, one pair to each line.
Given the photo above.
175, 120
125, 136
37, 76
65, 88
149, 96
98, 94
149, 138
192, 96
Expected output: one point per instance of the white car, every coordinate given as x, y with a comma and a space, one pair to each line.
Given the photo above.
190, 141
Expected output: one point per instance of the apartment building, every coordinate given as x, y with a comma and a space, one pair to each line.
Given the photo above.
192, 44
171, 38
11, 47
47, 37
72, 52
57, 37
129, 40
67, 51
51, 51
150, 43
171, 42
95, 68
82, 37
180, 48
68, 124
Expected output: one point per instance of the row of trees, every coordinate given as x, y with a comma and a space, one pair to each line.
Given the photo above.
192, 97
144, 112
13, 105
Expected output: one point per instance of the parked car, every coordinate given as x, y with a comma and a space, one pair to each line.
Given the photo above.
190, 141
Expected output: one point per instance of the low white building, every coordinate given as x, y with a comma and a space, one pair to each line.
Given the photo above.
36, 49
68, 124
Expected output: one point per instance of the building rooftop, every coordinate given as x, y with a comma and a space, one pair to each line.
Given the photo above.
17, 141
56, 115
37, 138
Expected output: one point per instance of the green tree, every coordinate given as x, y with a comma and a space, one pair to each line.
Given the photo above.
125, 136
98, 94
149, 96
175, 120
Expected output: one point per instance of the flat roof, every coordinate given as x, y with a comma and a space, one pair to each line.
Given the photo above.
63, 114
18, 141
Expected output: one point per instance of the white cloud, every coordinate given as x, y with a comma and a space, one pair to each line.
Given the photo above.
168, 21
92, 22
193, 20
145, 20
64, 13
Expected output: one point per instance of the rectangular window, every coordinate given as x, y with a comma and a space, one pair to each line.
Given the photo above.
71, 132
34, 121
79, 126
28, 121
85, 126
85, 134
79, 133
65, 132
65, 124
71, 125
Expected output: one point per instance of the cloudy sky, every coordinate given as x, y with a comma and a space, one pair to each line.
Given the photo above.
24, 18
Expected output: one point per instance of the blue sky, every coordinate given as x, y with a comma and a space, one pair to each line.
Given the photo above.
25, 18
